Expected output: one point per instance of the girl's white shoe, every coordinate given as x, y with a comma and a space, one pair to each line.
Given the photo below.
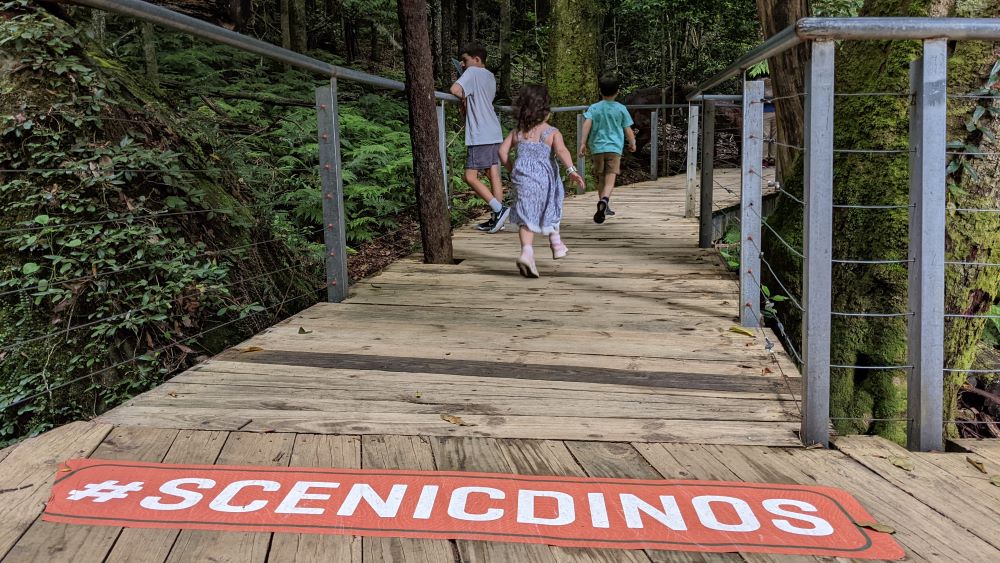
559, 251
527, 267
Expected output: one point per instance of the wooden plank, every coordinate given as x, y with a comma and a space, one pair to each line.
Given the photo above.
56, 542
139, 545
924, 533
6, 452
186, 395
484, 455
622, 461
928, 483
419, 385
402, 452
989, 449
533, 457
241, 448
525, 427
312, 450
26, 474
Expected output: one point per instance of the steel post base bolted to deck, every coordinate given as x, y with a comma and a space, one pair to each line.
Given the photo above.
818, 245
705, 227
925, 339
333, 192
751, 207
691, 201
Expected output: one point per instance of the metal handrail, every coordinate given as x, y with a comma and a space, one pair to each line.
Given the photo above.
831, 29
173, 20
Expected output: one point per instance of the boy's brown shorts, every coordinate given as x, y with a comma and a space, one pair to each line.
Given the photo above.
606, 163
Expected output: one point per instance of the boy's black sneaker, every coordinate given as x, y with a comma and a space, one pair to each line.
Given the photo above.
602, 210
486, 225
609, 211
499, 219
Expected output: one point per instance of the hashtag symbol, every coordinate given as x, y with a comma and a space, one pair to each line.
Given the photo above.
103, 492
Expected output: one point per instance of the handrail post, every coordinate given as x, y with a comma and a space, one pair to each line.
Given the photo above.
443, 149
334, 234
691, 201
654, 143
581, 161
705, 228
751, 207
925, 339
818, 244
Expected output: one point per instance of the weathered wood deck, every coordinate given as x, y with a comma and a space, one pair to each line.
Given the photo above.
617, 362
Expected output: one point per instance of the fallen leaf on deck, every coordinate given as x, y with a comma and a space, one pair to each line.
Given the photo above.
304, 331
878, 527
418, 395
171, 394
251, 349
995, 479
456, 420
740, 330
977, 464
902, 462
767, 371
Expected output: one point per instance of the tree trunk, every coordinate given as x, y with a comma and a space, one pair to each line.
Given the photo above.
447, 39
867, 122
286, 28
787, 72
239, 12
299, 28
350, 37
462, 21
435, 222
99, 23
504, 90
573, 55
330, 41
473, 22
435, 19
373, 52
149, 53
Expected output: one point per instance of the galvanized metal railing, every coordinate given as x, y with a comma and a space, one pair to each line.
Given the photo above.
926, 261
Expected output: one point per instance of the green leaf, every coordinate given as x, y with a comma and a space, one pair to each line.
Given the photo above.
30, 268
42, 219
976, 115
74, 243
174, 202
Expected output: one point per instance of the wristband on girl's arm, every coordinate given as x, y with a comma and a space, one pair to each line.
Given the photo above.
571, 170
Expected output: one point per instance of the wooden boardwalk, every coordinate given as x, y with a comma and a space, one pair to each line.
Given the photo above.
617, 362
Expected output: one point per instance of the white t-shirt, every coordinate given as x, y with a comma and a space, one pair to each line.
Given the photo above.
482, 126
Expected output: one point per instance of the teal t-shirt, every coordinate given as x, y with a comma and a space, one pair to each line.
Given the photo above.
607, 132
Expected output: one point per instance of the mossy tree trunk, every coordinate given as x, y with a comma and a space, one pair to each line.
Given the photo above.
882, 122
573, 57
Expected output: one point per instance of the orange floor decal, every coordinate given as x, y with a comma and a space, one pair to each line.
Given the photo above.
710, 516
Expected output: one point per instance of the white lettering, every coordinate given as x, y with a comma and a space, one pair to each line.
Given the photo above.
703, 506
526, 508
221, 502
300, 492
386, 508
670, 516
820, 526
598, 510
190, 498
457, 508
426, 502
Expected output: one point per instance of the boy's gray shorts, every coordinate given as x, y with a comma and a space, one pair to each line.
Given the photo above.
483, 157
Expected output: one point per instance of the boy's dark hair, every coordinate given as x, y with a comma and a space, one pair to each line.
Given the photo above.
608, 85
532, 106
475, 50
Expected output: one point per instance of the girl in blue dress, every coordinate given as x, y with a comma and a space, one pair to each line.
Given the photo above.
535, 175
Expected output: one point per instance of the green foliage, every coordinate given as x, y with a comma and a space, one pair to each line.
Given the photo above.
836, 8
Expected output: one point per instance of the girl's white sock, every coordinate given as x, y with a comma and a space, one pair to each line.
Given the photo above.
554, 239
527, 252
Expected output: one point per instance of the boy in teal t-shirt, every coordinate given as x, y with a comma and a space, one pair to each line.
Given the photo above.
607, 124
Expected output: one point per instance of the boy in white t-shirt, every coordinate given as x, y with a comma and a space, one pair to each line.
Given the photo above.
477, 87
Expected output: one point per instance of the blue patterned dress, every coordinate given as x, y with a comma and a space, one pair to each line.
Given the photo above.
539, 189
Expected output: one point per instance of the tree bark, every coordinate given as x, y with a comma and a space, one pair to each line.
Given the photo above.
462, 21
99, 23
286, 27
435, 223
350, 37
436, 41
299, 28
239, 12
787, 72
149, 53
447, 39
504, 90
573, 57
869, 122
